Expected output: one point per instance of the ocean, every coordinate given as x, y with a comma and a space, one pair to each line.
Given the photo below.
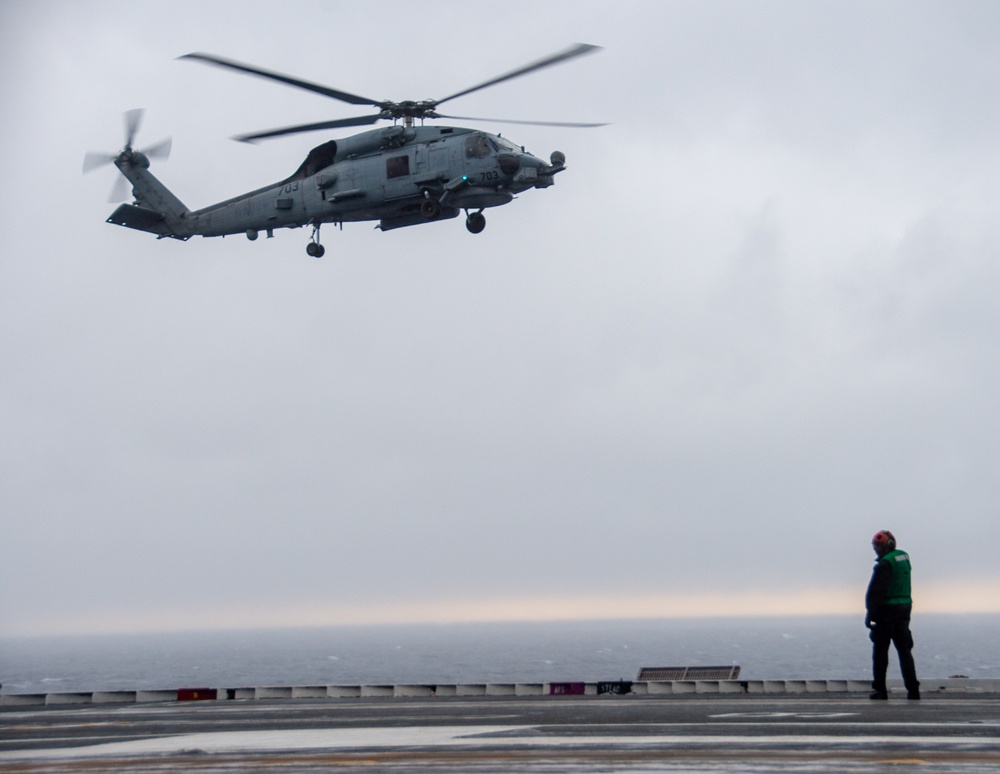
764, 648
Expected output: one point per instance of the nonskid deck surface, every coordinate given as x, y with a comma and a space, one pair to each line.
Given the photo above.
552, 733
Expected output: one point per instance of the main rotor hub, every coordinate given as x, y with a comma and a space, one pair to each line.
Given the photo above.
408, 109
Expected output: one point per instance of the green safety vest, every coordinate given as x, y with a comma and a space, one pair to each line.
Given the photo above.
898, 592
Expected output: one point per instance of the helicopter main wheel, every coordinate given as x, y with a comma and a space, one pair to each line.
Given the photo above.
475, 222
430, 208
314, 248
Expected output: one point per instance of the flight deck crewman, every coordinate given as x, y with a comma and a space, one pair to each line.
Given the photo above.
889, 604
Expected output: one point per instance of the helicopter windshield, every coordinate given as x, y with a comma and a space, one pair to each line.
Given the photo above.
503, 145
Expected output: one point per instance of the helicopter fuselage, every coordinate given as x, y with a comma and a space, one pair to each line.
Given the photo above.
402, 175
398, 175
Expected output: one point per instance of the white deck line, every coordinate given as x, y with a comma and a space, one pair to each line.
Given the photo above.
470, 737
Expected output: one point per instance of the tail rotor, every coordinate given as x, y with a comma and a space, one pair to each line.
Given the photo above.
96, 159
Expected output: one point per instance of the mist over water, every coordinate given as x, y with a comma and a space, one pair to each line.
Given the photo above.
792, 648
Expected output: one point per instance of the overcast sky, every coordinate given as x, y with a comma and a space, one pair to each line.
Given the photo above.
755, 320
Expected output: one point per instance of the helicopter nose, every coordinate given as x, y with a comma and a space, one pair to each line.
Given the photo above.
509, 163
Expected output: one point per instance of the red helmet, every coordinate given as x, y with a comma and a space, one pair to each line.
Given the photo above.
884, 541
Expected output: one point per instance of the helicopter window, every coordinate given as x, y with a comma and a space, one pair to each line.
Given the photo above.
476, 146
502, 144
397, 166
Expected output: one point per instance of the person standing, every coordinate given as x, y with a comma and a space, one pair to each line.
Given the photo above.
889, 604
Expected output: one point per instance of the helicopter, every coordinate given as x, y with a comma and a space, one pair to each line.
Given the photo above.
400, 175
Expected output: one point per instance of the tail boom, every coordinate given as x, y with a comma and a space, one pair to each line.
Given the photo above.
155, 210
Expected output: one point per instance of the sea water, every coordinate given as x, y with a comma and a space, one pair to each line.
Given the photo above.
765, 648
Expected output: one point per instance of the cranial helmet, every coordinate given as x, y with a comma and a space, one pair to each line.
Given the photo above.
884, 541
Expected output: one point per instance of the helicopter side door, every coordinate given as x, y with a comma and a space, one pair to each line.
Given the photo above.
400, 168
439, 158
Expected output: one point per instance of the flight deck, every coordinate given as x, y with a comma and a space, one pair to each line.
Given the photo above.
948, 730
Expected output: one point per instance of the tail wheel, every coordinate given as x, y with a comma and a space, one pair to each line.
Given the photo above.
475, 222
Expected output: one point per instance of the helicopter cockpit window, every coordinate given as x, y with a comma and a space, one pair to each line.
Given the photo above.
397, 166
476, 146
504, 145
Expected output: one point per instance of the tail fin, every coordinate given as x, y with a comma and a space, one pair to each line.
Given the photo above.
156, 209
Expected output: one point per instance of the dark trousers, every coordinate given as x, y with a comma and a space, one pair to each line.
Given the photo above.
893, 627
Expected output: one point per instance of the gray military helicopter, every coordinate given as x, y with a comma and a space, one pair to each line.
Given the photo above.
401, 175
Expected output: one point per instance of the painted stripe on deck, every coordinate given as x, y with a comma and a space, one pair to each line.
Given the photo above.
470, 737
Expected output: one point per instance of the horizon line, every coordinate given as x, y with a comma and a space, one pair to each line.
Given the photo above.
958, 598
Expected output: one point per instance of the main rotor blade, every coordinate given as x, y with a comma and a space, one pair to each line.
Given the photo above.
570, 124
343, 96
572, 52
359, 121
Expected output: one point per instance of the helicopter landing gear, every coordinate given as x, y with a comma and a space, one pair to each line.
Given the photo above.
430, 208
475, 222
314, 248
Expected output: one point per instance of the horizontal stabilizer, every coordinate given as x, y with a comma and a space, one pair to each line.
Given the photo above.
140, 218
